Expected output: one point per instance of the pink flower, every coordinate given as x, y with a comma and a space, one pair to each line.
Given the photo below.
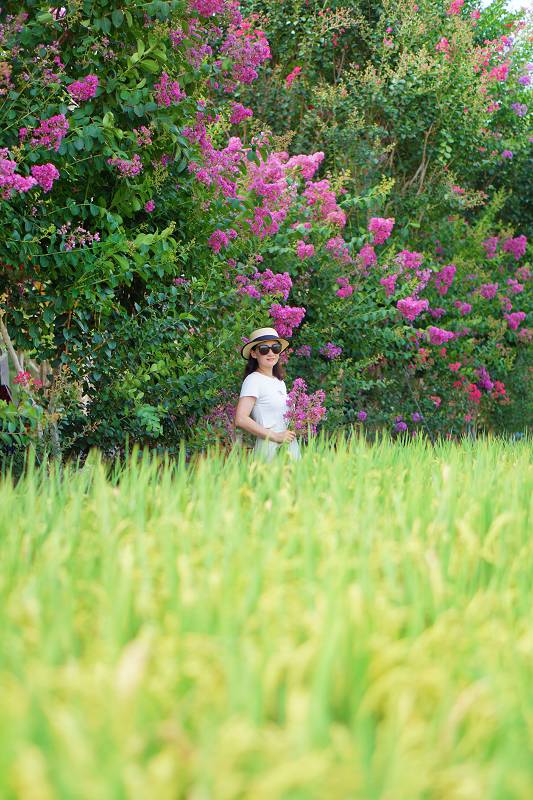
514, 319
444, 278
455, 366
516, 246
338, 248
361, 416
411, 307
292, 76
304, 411
50, 132
464, 308
488, 290
443, 45
168, 92
217, 241
389, 282
83, 89
367, 254
304, 351
239, 113
149, 206
490, 245
286, 318
330, 351
346, 289
127, 169
408, 259
304, 250
435, 399
207, 8
439, 335
507, 154
455, 7
45, 175
22, 378
381, 228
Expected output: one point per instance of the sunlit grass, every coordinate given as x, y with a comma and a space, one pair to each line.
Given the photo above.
354, 625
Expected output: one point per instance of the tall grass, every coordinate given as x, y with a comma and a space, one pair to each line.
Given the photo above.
354, 625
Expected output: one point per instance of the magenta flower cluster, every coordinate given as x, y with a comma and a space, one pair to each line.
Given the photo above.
83, 89
168, 92
127, 169
439, 335
304, 250
330, 351
346, 289
10, 180
516, 246
304, 411
286, 318
49, 133
381, 228
45, 175
411, 307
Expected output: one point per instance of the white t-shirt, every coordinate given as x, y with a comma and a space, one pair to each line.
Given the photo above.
269, 409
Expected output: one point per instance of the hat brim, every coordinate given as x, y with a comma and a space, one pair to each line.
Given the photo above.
245, 349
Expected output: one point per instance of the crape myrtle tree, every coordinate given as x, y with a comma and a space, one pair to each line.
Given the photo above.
149, 221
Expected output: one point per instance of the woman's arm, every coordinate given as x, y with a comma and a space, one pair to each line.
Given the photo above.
244, 421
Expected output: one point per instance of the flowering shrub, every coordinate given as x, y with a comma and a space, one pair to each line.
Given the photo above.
147, 201
304, 411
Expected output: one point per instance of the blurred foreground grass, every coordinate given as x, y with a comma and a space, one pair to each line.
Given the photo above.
356, 625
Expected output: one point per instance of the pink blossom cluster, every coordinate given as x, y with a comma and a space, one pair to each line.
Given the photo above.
304, 250
221, 418
220, 239
484, 380
455, 7
239, 113
443, 46
168, 92
389, 283
266, 283
505, 303
207, 8
291, 77
307, 164
77, 237
323, 201
367, 256
516, 246
83, 89
143, 136
464, 308
520, 109
408, 259
286, 318
337, 247
437, 313
49, 133
304, 411
439, 335
411, 307
45, 175
304, 351
491, 246
149, 206
381, 228
10, 180
247, 49
514, 286
515, 319
345, 290
444, 278
176, 37
523, 273
488, 290
220, 167
127, 169
330, 350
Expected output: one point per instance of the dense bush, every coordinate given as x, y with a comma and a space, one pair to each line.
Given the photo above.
154, 219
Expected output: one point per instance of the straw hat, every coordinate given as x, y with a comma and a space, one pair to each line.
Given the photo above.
263, 335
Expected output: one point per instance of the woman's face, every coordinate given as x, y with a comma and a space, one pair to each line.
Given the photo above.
268, 361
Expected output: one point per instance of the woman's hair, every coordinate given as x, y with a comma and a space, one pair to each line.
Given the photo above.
251, 366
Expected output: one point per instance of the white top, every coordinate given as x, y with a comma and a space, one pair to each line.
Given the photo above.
269, 409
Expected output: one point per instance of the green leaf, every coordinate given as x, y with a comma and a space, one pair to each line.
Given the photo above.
118, 17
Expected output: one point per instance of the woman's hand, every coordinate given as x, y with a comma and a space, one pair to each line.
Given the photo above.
282, 436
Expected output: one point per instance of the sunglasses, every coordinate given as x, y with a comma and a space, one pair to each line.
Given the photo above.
265, 348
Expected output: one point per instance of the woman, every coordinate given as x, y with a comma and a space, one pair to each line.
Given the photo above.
263, 399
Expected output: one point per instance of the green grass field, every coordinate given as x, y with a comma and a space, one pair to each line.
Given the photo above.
356, 625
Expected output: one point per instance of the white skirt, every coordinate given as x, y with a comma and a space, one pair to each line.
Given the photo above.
267, 450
